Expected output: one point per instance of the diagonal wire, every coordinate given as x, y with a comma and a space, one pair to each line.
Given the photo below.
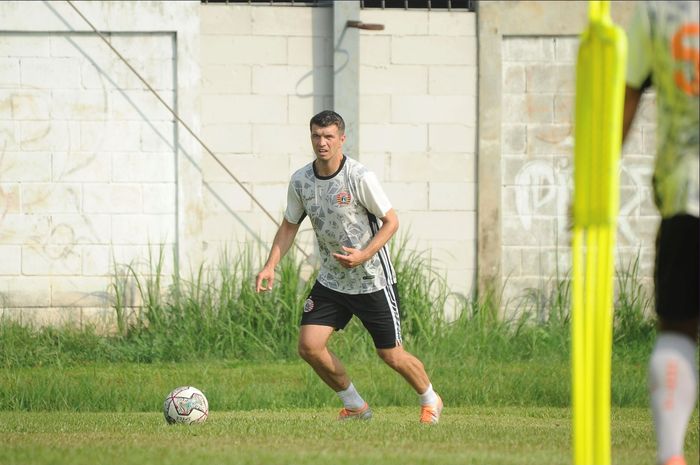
177, 117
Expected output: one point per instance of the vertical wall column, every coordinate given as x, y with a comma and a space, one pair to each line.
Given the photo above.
346, 74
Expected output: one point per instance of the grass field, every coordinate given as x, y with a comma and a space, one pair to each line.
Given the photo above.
481, 435
73, 396
233, 385
280, 413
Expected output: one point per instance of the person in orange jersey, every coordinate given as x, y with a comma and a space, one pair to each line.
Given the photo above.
664, 53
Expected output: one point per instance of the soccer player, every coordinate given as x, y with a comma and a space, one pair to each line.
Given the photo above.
663, 51
345, 204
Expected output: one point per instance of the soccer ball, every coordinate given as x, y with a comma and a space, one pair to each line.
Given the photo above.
187, 405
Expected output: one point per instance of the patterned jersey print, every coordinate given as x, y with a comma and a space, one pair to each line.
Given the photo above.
663, 44
344, 210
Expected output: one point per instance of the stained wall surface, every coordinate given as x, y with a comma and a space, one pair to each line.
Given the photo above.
466, 117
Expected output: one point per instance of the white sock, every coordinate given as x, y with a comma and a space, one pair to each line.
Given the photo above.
429, 397
673, 387
351, 398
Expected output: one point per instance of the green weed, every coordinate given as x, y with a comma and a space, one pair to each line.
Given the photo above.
215, 315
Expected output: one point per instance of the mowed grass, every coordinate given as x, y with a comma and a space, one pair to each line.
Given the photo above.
281, 413
480, 435
72, 396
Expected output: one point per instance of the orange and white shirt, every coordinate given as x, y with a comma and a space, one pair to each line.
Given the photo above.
663, 41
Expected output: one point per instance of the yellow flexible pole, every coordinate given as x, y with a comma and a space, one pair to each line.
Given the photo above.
600, 77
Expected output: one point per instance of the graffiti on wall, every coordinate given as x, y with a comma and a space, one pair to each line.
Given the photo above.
545, 187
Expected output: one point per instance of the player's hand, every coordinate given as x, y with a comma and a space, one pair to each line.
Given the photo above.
264, 280
351, 258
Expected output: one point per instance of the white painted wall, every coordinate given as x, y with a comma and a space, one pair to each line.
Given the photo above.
264, 78
91, 164
265, 72
93, 170
418, 130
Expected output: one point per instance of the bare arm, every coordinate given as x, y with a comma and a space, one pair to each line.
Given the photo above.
632, 98
280, 245
355, 257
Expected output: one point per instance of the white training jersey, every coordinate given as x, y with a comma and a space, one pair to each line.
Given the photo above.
663, 45
344, 209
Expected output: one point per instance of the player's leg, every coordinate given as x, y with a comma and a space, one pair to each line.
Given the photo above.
673, 370
407, 365
413, 371
673, 386
313, 349
379, 312
322, 316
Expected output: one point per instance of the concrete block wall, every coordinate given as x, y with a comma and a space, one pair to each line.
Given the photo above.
539, 82
100, 182
89, 159
265, 72
537, 143
535, 98
92, 169
418, 130
263, 79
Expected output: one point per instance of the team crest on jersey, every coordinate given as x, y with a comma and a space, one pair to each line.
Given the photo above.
308, 305
343, 199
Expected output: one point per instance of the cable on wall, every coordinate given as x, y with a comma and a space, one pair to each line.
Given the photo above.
177, 117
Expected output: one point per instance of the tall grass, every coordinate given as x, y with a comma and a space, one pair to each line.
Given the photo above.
632, 322
216, 314
213, 330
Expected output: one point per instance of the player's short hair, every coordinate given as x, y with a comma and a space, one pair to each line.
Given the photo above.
328, 118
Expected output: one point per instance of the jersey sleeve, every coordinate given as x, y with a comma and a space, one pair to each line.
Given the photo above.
295, 212
639, 51
372, 196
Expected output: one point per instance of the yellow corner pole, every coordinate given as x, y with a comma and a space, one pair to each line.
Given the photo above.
600, 78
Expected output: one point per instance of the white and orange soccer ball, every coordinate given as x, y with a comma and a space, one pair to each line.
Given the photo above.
187, 405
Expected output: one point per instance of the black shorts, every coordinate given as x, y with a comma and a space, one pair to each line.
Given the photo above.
378, 311
676, 278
